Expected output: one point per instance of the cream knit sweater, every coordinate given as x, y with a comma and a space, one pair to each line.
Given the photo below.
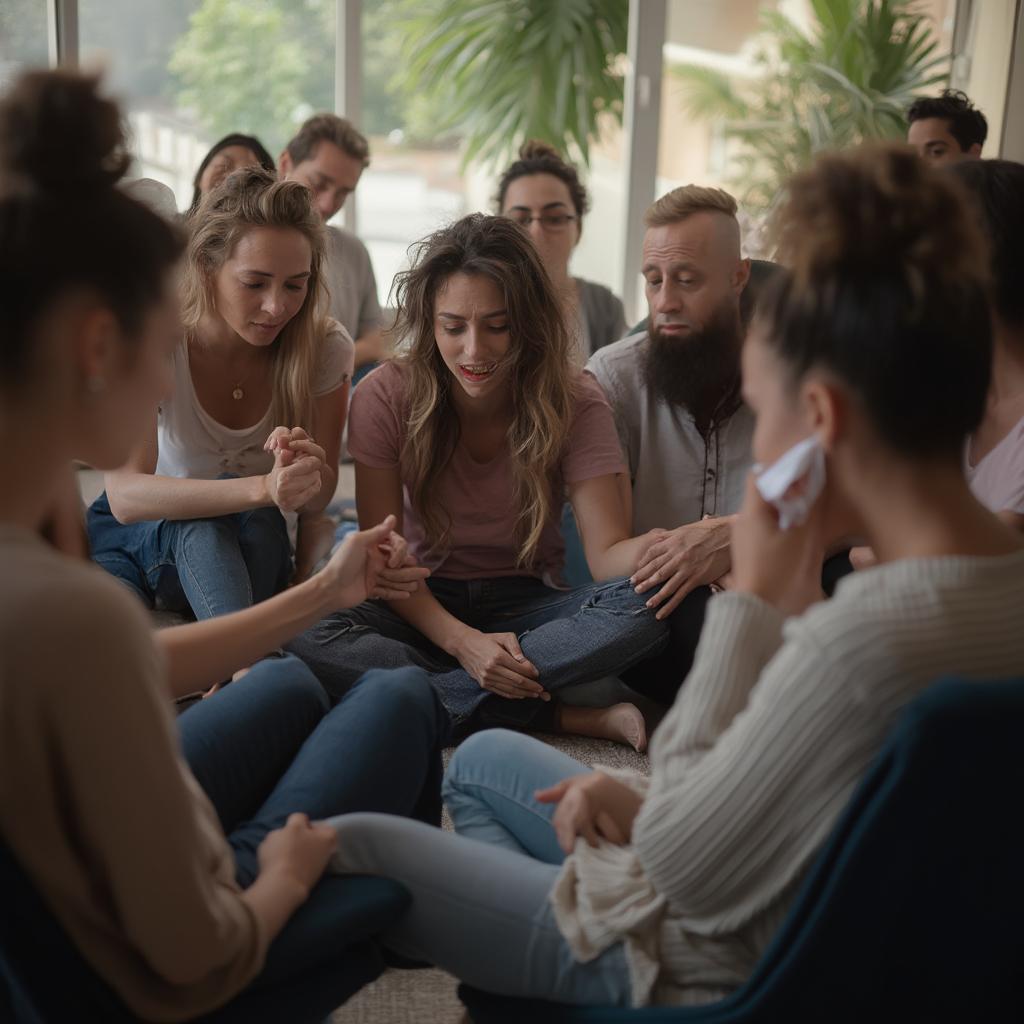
753, 765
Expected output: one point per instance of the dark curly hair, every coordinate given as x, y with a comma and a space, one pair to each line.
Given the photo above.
886, 288
64, 223
966, 123
536, 157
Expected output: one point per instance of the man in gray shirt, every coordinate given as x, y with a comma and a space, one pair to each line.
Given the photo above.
674, 388
328, 156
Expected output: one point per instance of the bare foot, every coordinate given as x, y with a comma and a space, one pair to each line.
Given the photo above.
622, 723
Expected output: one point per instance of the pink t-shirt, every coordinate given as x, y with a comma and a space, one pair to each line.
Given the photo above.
998, 479
477, 496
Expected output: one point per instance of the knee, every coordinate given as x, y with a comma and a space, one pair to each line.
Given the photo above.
406, 692
262, 524
475, 754
292, 683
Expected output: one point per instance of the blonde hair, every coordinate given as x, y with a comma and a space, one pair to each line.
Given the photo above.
687, 200
252, 198
540, 376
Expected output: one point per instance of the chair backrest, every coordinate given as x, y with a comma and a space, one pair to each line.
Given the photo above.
46, 977
915, 908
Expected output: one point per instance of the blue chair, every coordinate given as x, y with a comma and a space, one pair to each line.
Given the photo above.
44, 979
914, 911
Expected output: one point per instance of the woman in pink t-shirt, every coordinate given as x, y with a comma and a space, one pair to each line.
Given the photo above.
473, 438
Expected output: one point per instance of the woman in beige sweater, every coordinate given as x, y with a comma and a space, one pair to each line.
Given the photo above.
580, 886
97, 803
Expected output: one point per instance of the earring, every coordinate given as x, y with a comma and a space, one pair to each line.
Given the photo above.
94, 385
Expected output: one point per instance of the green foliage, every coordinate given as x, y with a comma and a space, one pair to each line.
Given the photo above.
850, 79
496, 72
257, 66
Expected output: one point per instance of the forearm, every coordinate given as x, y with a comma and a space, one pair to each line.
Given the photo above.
424, 612
369, 347
273, 898
619, 559
199, 654
135, 497
328, 486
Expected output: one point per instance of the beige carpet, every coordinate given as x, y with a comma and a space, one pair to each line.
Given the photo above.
428, 996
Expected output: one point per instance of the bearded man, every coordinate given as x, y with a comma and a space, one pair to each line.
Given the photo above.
674, 386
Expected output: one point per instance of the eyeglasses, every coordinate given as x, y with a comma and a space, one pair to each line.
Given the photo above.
548, 221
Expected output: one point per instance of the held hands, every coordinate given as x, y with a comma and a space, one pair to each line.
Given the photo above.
782, 567
297, 475
298, 852
677, 561
372, 563
594, 806
497, 663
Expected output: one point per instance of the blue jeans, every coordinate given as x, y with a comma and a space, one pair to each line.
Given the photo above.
213, 566
267, 747
480, 897
574, 636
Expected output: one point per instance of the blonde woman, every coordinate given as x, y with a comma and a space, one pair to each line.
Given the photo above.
472, 438
251, 431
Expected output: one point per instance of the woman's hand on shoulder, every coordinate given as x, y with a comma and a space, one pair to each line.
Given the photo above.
360, 569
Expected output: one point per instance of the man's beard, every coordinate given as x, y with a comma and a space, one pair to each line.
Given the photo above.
699, 370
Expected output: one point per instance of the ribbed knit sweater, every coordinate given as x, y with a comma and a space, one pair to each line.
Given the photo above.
773, 729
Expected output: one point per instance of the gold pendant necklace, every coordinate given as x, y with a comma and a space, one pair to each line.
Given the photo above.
238, 394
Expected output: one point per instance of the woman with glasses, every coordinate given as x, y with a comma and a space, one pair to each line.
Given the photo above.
543, 194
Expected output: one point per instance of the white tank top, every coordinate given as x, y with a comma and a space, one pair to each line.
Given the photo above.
195, 445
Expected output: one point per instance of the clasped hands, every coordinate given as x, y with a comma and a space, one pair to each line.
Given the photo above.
299, 463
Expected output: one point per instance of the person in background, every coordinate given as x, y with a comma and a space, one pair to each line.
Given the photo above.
179, 898
542, 192
620, 890
473, 437
232, 152
328, 155
946, 129
196, 517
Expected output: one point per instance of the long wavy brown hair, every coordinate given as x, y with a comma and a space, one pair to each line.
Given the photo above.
253, 198
540, 376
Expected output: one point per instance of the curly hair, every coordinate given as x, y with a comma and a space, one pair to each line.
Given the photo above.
967, 124
886, 287
536, 157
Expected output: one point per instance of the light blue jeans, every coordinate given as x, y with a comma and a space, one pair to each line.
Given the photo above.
213, 566
480, 904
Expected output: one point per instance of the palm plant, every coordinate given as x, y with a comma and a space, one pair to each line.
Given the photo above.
498, 71
851, 78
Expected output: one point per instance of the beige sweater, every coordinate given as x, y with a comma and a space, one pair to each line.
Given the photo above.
753, 765
95, 800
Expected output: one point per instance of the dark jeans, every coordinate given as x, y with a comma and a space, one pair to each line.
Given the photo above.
661, 677
213, 566
573, 636
267, 747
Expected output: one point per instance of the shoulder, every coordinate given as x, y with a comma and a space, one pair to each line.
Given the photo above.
338, 343
383, 389
349, 247
621, 363
594, 294
69, 615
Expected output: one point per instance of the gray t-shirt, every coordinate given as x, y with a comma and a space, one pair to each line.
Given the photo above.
678, 476
602, 317
350, 283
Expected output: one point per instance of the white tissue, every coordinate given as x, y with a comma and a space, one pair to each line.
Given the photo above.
806, 459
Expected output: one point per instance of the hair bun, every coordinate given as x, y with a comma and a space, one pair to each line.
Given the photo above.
59, 136
876, 208
536, 149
